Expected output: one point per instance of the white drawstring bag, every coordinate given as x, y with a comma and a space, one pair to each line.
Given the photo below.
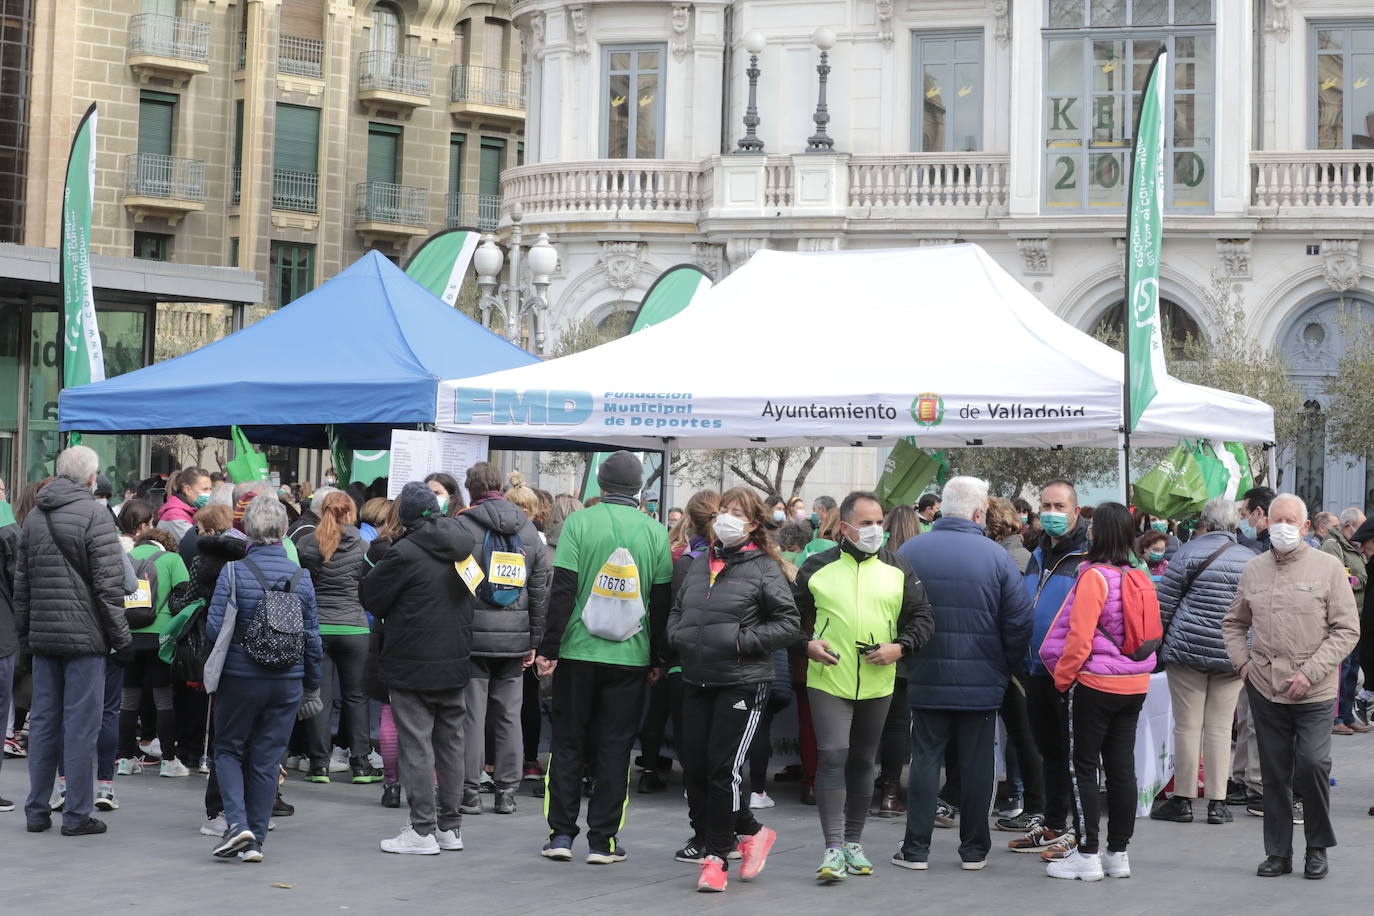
614, 608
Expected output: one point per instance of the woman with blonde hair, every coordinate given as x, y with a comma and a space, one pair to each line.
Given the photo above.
526, 499
334, 554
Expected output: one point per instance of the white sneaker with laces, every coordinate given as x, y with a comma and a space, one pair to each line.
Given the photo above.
214, 826
338, 762
1116, 865
760, 800
449, 840
304, 765
205, 766
1084, 867
128, 766
173, 769
251, 855
293, 762
152, 748
410, 843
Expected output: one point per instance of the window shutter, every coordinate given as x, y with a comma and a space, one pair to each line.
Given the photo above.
489, 170
297, 145
455, 163
383, 141
302, 18
155, 116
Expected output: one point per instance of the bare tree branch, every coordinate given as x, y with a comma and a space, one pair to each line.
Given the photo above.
812, 459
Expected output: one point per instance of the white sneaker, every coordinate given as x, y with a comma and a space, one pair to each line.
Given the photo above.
760, 800
128, 766
58, 798
205, 766
449, 840
1116, 865
410, 843
338, 762
303, 764
214, 826
293, 762
152, 748
251, 855
173, 769
1076, 865
375, 759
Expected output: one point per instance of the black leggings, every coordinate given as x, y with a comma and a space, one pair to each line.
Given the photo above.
894, 748
1102, 727
147, 672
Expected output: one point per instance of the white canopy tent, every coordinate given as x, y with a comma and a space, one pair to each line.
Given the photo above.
996, 367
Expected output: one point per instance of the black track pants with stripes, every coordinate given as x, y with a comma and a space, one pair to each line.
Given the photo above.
718, 725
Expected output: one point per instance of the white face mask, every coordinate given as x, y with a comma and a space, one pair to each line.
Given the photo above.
870, 537
779, 515
729, 529
1284, 537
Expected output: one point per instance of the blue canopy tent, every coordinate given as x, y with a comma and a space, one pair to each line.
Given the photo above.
364, 352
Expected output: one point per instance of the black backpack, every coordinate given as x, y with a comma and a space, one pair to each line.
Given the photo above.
275, 637
144, 569
503, 564
193, 647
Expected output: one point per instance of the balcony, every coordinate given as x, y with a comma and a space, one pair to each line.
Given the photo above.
1312, 182
294, 191
476, 211
389, 212
163, 186
168, 47
658, 190
300, 56
392, 82
918, 184
487, 91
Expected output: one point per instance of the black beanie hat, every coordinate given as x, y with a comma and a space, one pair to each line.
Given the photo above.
621, 473
415, 498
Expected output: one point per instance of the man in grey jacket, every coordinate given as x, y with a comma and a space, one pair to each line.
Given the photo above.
69, 613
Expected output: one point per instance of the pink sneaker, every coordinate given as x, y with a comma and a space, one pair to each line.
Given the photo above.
712, 880
754, 852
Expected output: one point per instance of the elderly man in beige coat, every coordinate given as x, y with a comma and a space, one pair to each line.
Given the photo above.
1291, 623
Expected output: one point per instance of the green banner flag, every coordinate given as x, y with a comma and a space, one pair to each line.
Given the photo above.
342, 456
82, 358
368, 466
906, 474
1144, 234
440, 264
670, 293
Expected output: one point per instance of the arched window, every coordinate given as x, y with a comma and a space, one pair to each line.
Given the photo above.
1177, 323
386, 28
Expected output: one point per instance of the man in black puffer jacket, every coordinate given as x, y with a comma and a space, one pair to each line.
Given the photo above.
69, 613
504, 639
427, 611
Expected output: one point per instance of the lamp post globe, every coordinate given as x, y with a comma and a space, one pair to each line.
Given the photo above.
754, 41
823, 38
543, 258
488, 258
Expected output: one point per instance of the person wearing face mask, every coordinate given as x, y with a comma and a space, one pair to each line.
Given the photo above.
445, 489
1363, 539
1292, 622
796, 510
191, 492
1049, 577
862, 608
733, 609
1337, 543
1151, 549
1254, 518
957, 682
1161, 525
929, 510
776, 514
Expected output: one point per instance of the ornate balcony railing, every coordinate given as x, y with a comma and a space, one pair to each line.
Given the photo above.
169, 36
167, 177
293, 190
384, 202
488, 86
481, 211
1312, 179
914, 181
300, 56
624, 186
388, 71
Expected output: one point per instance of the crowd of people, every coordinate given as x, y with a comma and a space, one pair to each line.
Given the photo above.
422, 643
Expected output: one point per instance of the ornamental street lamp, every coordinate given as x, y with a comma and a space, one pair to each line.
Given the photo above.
754, 43
820, 141
520, 298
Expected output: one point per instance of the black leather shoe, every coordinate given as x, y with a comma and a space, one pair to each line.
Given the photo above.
650, 782
1315, 866
1274, 866
1177, 809
281, 808
38, 826
91, 826
1218, 813
1236, 793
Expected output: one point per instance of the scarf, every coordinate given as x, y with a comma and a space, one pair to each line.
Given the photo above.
620, 499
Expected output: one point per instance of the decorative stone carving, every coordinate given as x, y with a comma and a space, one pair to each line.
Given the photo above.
1234, 255
707, 256
577, 27
1036, 254
820, 243
622, 261
1277, 20
534, 44
1001, 11
1341, 266
737, 251
1121, 257
682, 44
936, 242
885, 22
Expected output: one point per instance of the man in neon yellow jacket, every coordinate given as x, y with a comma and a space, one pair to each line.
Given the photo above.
862, 609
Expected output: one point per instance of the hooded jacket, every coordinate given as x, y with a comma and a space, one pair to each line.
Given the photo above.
982, 618
336, 581
1192, 622
724, 627
1049, 578
415, 590
58, 610
176, 516
511, 631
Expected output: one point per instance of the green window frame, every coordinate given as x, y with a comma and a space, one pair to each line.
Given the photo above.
152, 246
383, 153
491, 160
1097, 57
456, 145
156, 122
291, 272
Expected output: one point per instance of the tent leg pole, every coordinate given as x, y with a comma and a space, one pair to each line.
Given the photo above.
1123, 465
1272, 454
665, 501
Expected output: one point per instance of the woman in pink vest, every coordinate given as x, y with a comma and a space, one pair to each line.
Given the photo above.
1104, 690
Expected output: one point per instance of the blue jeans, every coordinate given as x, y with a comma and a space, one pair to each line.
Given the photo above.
6, 687
108, 741
253, 720
64, 725
1349, 685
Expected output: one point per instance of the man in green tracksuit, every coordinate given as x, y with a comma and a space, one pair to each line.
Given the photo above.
862, 609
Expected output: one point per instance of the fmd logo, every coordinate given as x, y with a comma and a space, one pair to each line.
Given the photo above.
535, 406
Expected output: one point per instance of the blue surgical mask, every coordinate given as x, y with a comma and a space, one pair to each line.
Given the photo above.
1161, 527
1156, 555
779, 516
1247, 530
1056, 524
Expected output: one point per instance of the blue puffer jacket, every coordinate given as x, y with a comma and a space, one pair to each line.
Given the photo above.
275, 566
982, 618
1049, 578
1192, 628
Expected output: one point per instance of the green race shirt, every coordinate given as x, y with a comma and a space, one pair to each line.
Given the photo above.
170, 572
589, 538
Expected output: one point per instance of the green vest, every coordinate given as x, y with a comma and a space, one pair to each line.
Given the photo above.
855, 602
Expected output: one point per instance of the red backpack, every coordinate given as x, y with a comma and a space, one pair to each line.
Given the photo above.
1140, 616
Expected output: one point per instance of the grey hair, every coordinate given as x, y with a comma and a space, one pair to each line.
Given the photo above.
1220, 514
963, 496
1352, 516
222, 494
1294, 498
317, 498
78, 463
1327, 519
264, 521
